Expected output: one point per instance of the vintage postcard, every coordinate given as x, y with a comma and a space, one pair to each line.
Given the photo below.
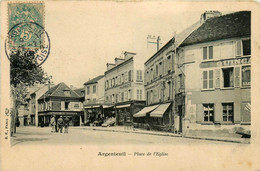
129, 85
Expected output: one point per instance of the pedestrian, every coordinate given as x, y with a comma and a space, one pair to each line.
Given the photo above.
53, 124
60, 124
66, 125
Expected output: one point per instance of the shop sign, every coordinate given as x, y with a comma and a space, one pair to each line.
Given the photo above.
230, 62
191, 112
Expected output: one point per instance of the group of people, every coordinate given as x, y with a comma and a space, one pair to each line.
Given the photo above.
61, 123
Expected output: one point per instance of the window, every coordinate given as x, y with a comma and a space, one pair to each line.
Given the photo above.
123, 78
181, 81
157, 71
116, 81
207, 52
169, 66
160, 69
139, 76
139, 94
169, 85
67, 105
208, 79
94, 99
94, 88
246, 76
208, 112
129, 95
88, 90
243, 47
119, 79
228, 112
130, 75
228, 77
122, 96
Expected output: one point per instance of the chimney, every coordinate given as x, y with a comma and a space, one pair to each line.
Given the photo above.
110, 66
209, 14
128, 55
118, 61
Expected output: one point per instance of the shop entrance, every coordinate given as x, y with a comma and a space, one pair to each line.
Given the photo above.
180, 114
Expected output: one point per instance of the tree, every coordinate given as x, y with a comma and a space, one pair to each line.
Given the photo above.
24, 72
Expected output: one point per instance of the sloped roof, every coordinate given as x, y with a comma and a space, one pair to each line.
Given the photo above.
232, 25
78, 91
178, 39
58, 91
94, 80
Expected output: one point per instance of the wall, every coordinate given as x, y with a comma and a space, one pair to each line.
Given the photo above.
196, 95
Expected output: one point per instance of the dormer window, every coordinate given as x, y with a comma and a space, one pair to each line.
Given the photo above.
67, 92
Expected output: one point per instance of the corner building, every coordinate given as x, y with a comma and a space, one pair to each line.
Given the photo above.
124, 87
215, 61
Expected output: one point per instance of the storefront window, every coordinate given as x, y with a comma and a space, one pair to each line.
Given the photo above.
228, 112
208, 112
246, 76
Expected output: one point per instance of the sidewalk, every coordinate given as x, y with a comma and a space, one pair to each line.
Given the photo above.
139, 131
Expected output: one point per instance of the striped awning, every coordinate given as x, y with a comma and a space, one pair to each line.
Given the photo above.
158, 112
142, 113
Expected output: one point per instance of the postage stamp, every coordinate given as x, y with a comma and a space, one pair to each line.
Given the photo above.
26, 31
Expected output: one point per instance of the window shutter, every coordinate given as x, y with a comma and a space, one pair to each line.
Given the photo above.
238, 48
210, 52
62, 106
200, 113
204, 53
205, 79
237, 76
217, 78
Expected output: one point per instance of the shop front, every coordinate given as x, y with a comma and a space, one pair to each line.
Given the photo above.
74, 117
126, 110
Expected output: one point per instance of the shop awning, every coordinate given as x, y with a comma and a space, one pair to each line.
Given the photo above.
123, 106
158, 112
142, 113
107, 106
92, 106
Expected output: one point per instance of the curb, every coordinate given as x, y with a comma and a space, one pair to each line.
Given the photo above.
171, 135
135, 132
215, 139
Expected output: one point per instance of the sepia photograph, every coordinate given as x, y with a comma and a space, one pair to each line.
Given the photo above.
114, 80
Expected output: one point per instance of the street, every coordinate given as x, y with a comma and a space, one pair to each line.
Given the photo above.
76, 136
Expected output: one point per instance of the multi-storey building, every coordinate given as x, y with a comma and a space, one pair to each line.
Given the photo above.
160, 85
94, 98
215, 65
124, 87
60, 100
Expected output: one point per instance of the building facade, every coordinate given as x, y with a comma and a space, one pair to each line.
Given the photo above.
215, 61
94, 99
124, 87
58, 101
162, 85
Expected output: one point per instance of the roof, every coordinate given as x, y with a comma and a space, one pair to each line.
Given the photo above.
232, 25
178, 39
58, 91
79, 91
94, 80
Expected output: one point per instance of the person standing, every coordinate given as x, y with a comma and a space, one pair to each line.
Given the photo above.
66, 125
60, 124
53, 124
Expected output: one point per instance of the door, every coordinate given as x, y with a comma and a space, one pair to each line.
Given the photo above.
180, 114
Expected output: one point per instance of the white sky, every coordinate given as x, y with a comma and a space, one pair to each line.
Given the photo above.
86, 35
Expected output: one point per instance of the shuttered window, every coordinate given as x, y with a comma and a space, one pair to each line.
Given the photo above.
207, 52
208, 79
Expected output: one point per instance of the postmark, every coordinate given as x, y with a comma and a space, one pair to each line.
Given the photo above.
26, 31
29, 36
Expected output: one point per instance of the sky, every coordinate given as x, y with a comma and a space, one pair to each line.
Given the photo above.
86, 35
